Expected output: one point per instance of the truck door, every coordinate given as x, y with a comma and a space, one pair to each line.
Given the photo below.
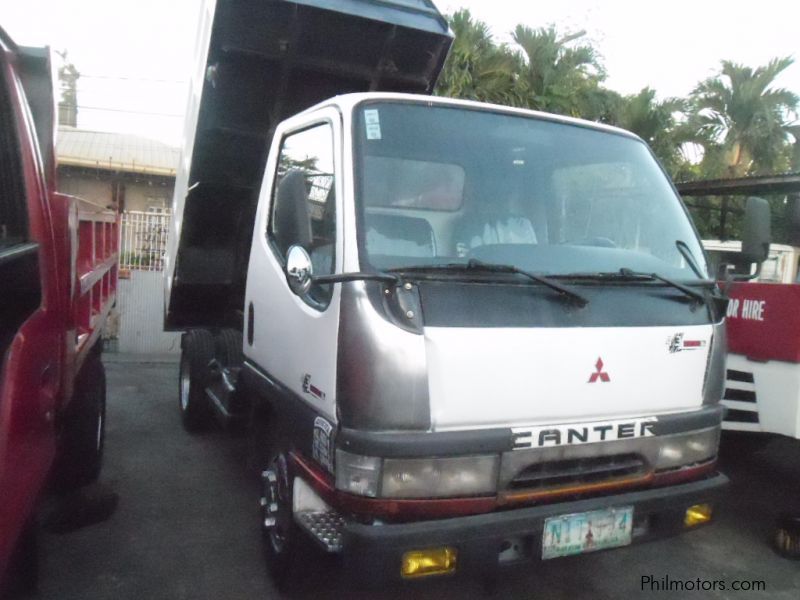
292, 339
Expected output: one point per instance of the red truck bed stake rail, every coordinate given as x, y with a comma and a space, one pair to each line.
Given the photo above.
97, 259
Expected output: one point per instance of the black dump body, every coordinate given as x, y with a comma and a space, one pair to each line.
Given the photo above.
268, 60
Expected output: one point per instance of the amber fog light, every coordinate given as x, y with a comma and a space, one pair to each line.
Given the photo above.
697, 515
432, 561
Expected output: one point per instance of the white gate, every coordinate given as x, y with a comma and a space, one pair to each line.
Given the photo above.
143, 242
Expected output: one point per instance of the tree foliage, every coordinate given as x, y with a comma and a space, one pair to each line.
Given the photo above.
659, 123
743, 119
735, 123
477, 68
68, 76
743, 123
556, 74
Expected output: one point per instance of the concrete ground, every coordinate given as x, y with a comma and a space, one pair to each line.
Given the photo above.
186, 525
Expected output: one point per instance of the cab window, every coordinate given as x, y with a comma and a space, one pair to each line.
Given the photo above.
304, 203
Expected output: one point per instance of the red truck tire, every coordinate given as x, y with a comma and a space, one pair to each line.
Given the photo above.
197, 352
23, 570
83, 436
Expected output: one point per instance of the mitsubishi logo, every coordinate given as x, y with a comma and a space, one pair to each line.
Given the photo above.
599, 374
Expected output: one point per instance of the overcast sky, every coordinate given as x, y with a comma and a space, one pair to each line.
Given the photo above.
136, 55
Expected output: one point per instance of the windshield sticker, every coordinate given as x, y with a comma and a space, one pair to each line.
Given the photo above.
373, 122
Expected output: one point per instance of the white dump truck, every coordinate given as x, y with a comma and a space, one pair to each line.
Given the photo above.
470, 336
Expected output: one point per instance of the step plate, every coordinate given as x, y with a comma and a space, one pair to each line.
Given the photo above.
325, 527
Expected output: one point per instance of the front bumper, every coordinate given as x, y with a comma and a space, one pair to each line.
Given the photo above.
375, 552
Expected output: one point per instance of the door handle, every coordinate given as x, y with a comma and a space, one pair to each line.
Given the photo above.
251, 320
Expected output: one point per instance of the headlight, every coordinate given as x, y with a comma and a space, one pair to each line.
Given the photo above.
357, 474
416, 477
686, 449
439, 477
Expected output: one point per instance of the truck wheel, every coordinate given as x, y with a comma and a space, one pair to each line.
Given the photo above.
198, 351
744, 443
23, 568
787, 537
83, 437
229, 348
285, 545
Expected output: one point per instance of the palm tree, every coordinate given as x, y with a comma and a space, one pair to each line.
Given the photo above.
557, 76
794, 151
477, 68
657, 123
742, 115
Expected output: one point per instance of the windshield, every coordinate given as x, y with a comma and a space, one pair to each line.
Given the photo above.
440, 185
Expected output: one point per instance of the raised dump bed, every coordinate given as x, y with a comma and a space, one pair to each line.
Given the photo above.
259, 62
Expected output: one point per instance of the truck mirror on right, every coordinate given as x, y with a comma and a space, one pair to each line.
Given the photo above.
794, 230
757, 233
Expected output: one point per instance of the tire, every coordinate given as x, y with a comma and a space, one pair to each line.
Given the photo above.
23, 568
744, 443
229, 348
83, 436
287, 550
197, 352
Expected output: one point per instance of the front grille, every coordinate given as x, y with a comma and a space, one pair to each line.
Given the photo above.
579, 471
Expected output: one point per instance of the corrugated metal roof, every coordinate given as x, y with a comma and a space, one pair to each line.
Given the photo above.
115, 152
779, 183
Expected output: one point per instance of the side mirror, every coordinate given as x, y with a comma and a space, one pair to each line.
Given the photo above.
298, 270
794, 220
757, 231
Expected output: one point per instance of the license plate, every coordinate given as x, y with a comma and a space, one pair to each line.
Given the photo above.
586, 532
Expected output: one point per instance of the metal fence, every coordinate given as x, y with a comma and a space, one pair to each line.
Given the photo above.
143, 239
141, 315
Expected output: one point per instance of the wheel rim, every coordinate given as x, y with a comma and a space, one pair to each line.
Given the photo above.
185, 383
275, 494
788, 543
277, 537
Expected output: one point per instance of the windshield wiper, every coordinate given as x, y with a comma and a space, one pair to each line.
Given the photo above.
355, 276
479, 266
625, 274
670, 282
686, 252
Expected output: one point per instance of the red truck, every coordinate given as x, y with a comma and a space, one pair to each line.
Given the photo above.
58, 275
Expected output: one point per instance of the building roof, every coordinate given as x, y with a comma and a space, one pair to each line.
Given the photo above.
784, 183
115, 152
